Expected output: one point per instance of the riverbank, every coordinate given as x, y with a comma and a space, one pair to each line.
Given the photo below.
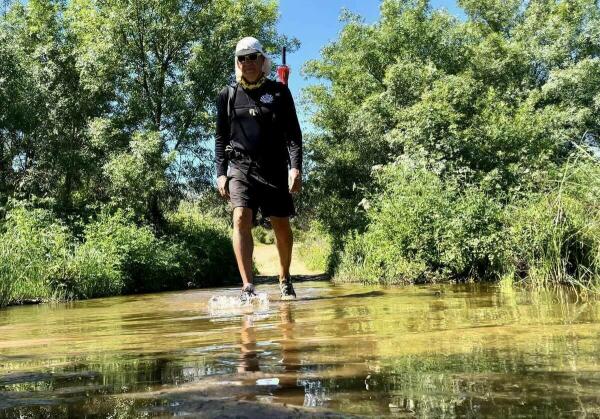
42, 259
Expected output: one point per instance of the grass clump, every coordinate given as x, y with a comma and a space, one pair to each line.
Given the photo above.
556, 235
35, 252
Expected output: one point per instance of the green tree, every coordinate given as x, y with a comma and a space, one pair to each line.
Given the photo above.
374, 72
173, 57
81, 79
47, 145
492, 107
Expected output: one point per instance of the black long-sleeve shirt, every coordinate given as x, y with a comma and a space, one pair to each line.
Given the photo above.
263, 125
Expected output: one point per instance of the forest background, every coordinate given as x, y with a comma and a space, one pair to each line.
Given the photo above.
443, 149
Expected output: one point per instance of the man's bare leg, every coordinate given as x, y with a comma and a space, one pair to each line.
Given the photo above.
284, 241
243, 245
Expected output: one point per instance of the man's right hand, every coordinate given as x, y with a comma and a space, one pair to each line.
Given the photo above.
222, 186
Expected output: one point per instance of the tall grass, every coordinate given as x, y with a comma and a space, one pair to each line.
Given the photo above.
36, 248
41, 259
556, 235
315, 248
7, 275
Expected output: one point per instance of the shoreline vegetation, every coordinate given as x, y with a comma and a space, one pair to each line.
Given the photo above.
444, 149
42, 259
451, 149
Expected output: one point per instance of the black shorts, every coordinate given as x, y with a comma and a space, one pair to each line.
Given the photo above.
249, 189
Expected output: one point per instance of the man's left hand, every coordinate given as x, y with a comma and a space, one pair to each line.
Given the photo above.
295, 181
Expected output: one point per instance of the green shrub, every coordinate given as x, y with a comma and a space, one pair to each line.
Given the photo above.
7, 275
204, 243
35, 250
94, 272
422, 229
40, 259
145, 262
263, 235
211, 204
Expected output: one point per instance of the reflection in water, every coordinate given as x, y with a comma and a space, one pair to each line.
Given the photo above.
290, 356
449, 351
249, 357
285, 348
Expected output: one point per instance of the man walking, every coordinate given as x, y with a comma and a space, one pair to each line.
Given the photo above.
257, 137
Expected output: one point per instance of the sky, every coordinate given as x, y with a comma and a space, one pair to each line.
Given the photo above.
316, 23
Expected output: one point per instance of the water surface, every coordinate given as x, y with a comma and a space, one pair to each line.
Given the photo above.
451, 351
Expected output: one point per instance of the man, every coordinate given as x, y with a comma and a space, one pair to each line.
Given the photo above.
257, 136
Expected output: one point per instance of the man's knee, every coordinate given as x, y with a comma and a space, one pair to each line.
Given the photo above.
280, 223
242, 218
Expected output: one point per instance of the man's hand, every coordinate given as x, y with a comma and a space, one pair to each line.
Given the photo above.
295, 181
222, 186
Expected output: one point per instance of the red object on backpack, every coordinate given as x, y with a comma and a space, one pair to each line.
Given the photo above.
283, 71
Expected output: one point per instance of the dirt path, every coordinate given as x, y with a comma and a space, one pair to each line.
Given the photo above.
267, 261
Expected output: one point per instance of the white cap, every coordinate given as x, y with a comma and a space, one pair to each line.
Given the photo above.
248, 45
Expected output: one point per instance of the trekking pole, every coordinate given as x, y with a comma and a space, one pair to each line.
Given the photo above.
283, 71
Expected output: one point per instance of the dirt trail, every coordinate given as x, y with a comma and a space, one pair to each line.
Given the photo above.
267, 261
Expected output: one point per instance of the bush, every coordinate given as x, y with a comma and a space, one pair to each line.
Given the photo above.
263, 235
422, 229
145, 262
7, 275
95, 273
211, 204
40, 259
205, 251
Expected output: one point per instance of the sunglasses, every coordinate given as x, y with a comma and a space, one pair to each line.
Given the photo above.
249, 57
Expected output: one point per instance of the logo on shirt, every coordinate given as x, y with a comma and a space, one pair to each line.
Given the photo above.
266, 98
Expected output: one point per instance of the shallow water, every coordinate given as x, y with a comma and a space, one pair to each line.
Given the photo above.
450, 351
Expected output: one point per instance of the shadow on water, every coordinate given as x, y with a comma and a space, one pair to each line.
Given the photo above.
449, 351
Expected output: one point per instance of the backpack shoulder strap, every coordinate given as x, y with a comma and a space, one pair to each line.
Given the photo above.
231, 91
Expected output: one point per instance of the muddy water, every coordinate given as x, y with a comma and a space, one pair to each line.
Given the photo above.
450, 351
